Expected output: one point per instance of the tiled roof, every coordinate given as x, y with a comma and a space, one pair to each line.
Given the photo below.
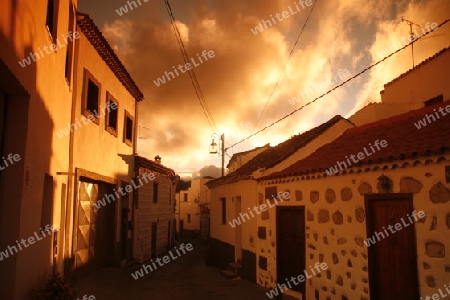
141, 162
418, 66
275, 155
183, 185
404, 140
236, 155
101, 45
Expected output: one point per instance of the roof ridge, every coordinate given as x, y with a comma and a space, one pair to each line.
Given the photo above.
246, 170
403, 116
407, 140
417, 66
111, 59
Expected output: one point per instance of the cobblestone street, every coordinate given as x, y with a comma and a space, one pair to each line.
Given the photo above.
187, 277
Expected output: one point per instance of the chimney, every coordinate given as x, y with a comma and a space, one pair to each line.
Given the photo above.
158, 159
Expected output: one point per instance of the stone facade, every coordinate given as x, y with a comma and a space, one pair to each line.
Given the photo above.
336, 228
147, 212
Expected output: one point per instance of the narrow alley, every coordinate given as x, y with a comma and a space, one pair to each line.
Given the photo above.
187, 277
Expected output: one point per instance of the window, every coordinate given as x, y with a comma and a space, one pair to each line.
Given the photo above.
50, 19
270, 193
185, 197
112, 111
91, 95
189, 218
128, 129
224, 210
70, 46
433, 101
155, 192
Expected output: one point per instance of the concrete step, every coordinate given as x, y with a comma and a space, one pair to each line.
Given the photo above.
228, 274
236, 268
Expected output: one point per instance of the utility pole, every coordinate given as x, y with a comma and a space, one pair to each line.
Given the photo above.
413, 38
214, 149
222, 139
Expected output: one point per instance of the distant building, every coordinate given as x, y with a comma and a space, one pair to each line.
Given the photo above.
193, 209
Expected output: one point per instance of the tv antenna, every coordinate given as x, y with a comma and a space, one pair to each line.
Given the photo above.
412, 36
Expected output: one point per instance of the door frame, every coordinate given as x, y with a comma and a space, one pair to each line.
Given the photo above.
302, 210
368, 199
84, 175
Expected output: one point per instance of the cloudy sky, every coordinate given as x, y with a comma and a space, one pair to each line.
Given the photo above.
340, 39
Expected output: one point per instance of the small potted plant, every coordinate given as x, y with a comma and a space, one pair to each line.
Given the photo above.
56, 288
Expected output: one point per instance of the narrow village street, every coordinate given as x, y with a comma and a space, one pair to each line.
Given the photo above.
187, 277
207, 149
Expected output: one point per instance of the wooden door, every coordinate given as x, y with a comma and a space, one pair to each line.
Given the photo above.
392, 258
291, 245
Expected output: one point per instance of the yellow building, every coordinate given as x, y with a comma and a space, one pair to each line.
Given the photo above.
191, 203
36, 90
411, 90
68, 128
102, 148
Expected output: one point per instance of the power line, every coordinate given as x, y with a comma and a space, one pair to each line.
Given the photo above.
284, 69
191, 72
338, 86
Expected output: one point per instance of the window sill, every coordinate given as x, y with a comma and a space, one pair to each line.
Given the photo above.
112, 131
128, 142
91, 117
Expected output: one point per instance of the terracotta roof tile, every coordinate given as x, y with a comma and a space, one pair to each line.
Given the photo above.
404, 141
142, 162
275, 155
236, 155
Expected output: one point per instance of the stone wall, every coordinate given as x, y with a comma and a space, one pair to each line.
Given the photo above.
146, 212
336, 228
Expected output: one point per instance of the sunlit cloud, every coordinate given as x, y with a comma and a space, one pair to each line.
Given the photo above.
343, 35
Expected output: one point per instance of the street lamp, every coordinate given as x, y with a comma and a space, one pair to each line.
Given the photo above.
214, 148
